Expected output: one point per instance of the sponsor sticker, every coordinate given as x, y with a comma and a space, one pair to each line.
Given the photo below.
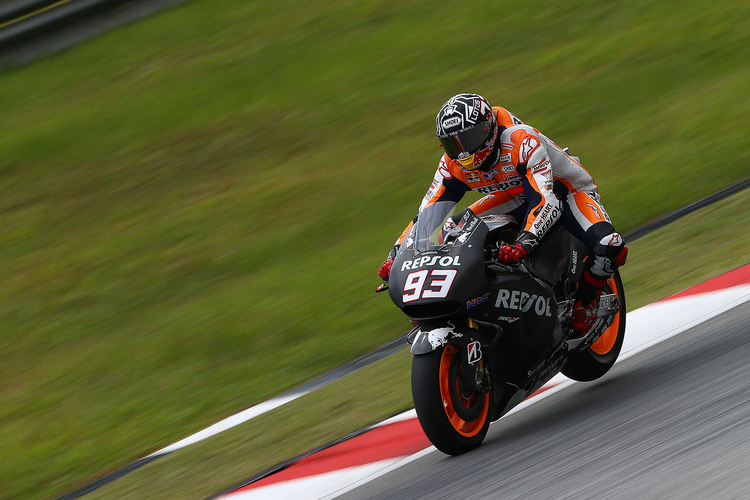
528, 145
490, 174
475, 352
443, 170
543, 165
451, 122
595, 209
439, 336
473, 177
432, 191
499, 186
613, 239
509, 319
410, 265
524, 302
479, 300
546, 219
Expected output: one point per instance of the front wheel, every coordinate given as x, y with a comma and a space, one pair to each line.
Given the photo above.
596, 360
454, 419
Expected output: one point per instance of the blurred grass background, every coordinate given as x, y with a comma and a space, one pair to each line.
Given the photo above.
194, 206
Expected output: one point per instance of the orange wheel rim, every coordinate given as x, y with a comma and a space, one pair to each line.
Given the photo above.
463, 427
605, 343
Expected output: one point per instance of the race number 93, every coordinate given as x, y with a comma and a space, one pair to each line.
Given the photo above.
438, 281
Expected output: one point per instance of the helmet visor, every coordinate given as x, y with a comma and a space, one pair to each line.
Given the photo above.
466, 142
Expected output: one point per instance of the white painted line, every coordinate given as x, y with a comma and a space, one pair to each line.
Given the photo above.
315, 487
358, 478
662, 320
229, 422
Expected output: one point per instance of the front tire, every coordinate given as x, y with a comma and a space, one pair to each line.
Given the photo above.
596, 360
455, 420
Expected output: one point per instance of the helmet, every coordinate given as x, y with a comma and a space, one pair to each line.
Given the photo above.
467, 129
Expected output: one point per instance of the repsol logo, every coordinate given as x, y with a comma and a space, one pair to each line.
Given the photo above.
524, 302
410, 265
549, 208
543, 222
500, 186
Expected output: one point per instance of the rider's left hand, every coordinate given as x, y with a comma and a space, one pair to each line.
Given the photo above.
511, 253
525, 244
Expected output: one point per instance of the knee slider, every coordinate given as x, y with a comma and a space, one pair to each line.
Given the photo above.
612, 247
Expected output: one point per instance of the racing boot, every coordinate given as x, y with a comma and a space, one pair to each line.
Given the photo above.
586, 304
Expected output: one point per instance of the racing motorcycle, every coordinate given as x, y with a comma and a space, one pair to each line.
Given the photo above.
489, 335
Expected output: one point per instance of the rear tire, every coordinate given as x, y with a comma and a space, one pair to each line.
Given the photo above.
455, 421
595, 361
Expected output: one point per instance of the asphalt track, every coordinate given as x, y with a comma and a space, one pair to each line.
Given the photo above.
673, 421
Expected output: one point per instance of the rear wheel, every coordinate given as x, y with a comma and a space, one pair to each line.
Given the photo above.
596, 360
454, 419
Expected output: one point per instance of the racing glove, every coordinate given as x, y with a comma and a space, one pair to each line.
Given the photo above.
385, 269
524, 245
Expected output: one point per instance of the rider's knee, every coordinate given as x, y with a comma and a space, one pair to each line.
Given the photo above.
612, 247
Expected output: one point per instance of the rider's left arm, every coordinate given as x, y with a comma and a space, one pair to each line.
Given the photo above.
535, 167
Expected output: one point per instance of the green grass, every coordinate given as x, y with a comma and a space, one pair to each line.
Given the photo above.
194, 206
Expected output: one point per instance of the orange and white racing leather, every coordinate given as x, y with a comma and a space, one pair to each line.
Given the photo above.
534, 180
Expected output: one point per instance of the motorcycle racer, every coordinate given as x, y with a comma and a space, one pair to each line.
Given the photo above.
522, 173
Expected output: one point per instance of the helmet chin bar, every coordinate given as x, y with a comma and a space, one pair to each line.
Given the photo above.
492, 158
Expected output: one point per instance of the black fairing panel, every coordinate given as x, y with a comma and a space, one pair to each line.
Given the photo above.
558, 256
439, 282
526, 311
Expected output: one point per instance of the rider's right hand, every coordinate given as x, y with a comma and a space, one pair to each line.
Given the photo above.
385, 269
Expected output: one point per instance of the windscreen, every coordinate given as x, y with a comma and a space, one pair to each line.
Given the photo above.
437, 226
